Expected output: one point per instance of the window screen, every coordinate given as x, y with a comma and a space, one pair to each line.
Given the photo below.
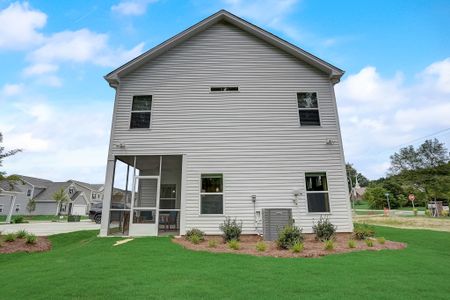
141, 112
317, 192
211, 194
308, 109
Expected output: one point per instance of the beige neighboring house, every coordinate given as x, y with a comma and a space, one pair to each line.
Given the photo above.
81, 196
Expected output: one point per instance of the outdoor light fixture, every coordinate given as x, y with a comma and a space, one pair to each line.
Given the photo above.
296, 193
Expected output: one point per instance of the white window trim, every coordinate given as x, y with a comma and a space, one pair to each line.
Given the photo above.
141, 111
318, 109
317, 192
211, 193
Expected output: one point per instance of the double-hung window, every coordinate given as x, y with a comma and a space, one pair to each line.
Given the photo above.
317, 192
141, 111
211, 194
308, 109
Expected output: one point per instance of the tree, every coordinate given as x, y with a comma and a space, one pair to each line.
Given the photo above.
376, 197
31, 205
431, 153
351, 177
60, 197
11, 179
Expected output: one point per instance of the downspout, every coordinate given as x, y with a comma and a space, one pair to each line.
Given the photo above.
13, 203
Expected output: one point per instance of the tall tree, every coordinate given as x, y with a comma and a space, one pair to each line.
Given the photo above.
431, 153
11, 179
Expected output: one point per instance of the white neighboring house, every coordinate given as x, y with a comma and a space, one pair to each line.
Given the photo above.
224, 119
81, 196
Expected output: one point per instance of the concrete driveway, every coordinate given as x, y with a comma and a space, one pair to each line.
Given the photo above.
43, 228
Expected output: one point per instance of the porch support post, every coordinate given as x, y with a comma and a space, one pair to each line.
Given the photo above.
108, 191
183, 196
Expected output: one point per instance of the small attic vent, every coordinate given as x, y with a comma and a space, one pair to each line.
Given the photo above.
224, 89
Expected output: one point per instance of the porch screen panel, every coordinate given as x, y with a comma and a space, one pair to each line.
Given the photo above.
146, 193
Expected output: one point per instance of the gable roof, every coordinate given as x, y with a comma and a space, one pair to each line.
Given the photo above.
223, 15
52, 188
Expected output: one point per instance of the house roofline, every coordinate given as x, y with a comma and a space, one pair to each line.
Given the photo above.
334, 72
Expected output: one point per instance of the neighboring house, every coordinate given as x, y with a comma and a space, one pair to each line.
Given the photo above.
81, 196
224, 119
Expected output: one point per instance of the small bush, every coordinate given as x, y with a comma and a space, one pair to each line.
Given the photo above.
21, 234
297, 247
18, 220
351, 244
231, 229
362, 231
328, 245
10, 237
261, 246
428, 213
288, 236
369, 243
444, 213
212, 243
415, 211
234, 244
381, 240
324, 230
31, 239
195, 235
195, 239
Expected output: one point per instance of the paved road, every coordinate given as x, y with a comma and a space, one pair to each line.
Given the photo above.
42, 228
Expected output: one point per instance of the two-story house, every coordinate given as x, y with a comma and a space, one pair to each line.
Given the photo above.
224, 119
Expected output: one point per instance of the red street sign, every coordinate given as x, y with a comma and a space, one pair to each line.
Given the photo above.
411, 197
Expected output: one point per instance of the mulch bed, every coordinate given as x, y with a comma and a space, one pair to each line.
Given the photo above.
19, 245
312, 248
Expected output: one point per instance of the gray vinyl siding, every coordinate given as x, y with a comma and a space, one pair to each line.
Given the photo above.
252, 137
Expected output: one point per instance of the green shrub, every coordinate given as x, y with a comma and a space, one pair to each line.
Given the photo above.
328, 245
381, 240
212, 243
21, 234
18, 219
444, 213
234, 244
10, 237
31, 239
351, 244
297, 247
288, 236
362, 231
324, 230
369, 243
415, 211
195, 235
261, 246
231, 229
195, 239
428, 213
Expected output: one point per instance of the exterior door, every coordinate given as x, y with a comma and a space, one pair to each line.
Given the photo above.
144, 206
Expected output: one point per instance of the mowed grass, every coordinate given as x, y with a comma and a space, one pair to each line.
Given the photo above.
82, 266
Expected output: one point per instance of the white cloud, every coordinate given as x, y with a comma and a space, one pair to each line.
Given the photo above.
379, 115
132, 7
59, 140
20, 25
12, 89
81, 46
40, 68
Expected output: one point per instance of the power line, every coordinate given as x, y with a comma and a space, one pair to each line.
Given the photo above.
421, 138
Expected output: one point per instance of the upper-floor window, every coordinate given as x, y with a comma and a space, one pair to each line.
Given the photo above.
211, 194
28, 193
308, 109
317, 192
71, 190
94, 196
141, 111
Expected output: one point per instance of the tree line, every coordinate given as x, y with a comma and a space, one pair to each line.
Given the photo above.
423, 171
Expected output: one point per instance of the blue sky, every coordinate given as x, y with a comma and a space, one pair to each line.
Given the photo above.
55, 105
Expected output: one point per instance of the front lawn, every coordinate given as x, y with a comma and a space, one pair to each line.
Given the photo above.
84, 266
52, 218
